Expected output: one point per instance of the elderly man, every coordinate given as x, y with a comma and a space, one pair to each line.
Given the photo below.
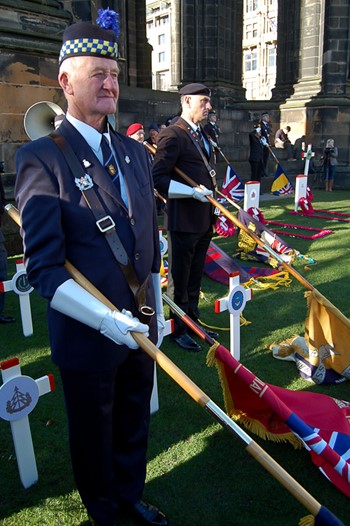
97, 211
190, 214
135, 131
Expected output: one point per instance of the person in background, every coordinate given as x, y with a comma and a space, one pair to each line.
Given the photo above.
330, 155
189, 213
265, 134
136, 132
213, 131
282, 141
153, 132
3, 253
256, 154
103, 221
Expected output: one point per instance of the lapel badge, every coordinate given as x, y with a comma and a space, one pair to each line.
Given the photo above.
111, 169
127, 159
86, 163
84, 183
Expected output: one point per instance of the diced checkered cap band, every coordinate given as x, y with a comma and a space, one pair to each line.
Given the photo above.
90, 47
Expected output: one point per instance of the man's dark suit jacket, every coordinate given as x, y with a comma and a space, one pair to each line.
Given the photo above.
256, 148
175, 148
58, 225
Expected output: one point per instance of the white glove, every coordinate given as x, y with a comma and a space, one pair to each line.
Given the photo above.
159, 308
74, 301
263, 141
117, 326
179, 190
201, 192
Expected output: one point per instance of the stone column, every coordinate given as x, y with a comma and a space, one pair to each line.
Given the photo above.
212, 46
313, 72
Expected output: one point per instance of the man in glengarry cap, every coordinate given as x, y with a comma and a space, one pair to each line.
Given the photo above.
96, 214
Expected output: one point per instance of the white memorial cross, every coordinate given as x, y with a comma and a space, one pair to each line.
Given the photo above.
20, 285
19, 395
234, 303
307, 156
169, 328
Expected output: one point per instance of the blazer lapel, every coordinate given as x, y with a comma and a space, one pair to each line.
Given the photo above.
89, 161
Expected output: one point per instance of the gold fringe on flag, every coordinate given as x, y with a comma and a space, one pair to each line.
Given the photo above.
250, 423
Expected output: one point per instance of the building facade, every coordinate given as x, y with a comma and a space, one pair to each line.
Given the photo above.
259, 46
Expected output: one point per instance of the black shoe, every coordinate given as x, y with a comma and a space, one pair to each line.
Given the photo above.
146, 514
186, 342
7, 319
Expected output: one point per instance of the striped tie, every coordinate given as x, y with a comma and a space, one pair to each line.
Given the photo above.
109, 161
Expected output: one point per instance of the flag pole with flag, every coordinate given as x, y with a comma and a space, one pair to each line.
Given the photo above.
281, 185
219, 355
321, 514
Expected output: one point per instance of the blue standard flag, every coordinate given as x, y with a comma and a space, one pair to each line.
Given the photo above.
281, 185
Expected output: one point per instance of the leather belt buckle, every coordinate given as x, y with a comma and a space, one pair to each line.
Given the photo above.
105, 223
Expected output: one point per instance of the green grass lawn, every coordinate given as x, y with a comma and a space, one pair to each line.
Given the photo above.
198, 473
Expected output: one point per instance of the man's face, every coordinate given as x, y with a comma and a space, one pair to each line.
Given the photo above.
266, 118
153, 134
91, 87
196, 107
212, 118
139, 136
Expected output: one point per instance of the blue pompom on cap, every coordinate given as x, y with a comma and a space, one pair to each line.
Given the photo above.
87, 39
108, 19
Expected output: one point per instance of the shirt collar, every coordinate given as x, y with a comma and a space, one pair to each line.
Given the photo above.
192, 124
92, 136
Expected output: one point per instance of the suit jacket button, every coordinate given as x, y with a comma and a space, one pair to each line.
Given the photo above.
137, 256
132, 221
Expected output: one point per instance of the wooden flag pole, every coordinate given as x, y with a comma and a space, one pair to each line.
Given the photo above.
243, 227
264, 459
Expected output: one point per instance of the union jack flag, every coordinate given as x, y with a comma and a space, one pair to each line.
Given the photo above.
232, 186
321, 422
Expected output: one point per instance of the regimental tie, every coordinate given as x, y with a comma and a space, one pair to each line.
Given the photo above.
109, 162
202, 141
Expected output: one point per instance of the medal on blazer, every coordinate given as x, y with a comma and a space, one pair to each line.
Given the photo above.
111, 169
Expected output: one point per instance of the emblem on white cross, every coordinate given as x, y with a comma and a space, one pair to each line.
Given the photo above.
19, 395
234, 303
20, 285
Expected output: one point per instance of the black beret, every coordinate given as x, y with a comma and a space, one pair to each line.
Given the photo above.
195, 89
212, 112
87, 39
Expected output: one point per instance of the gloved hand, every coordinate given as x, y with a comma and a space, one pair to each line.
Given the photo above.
263, 141
117, 326
74, 301
200, 193
159, 307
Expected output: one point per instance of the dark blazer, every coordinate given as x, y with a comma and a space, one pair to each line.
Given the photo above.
256, 148
58, 225
175, 148
265, 130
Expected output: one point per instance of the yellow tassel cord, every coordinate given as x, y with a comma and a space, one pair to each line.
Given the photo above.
309, 520
287, 348
251, 424
280, 279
